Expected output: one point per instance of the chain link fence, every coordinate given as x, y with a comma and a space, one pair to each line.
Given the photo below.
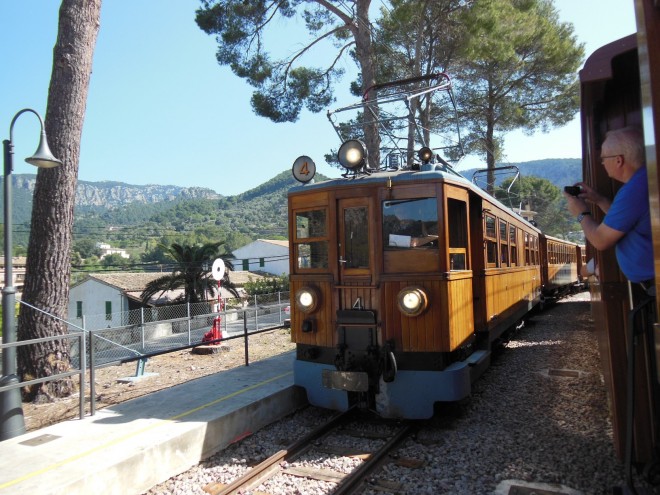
122, 336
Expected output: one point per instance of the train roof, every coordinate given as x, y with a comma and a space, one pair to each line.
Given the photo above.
427, 172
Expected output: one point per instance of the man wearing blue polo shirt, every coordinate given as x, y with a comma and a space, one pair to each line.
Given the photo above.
627, 222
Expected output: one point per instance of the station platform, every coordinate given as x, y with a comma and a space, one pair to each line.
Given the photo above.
130, 447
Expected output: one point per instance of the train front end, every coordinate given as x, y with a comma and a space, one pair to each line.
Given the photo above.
375, 275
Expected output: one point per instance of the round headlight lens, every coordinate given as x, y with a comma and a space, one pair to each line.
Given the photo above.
425, 154
352, 154
307, 299
412, 301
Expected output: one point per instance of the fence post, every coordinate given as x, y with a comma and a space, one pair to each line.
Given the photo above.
188, 310
245, 337
224, 311
92, 377
82, 346
256, 313
279, 304
142, 326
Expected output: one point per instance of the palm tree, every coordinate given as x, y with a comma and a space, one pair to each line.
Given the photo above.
191, 271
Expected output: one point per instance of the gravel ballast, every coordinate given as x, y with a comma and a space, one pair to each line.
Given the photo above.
537, 418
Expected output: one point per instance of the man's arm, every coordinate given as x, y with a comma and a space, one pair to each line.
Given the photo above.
600, 235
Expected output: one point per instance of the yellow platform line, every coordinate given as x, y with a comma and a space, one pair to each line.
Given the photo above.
158, 424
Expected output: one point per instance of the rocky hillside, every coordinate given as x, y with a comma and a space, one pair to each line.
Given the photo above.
108, 194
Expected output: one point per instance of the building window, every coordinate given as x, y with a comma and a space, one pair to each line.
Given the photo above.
262, 262
108, 310
79, 313
246, 265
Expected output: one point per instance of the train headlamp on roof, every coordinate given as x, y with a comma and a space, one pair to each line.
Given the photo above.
425, 154
353, 155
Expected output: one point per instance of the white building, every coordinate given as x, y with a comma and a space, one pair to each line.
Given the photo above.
113, 294
107, 249
263, 255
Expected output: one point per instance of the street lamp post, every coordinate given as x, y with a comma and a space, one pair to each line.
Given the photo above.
11, 410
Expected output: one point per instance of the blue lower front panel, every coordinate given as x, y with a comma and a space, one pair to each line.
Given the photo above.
411, 395
309, 376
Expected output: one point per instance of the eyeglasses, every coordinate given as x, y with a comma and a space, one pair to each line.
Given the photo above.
602, 158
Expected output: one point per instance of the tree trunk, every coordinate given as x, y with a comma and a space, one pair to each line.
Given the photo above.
48, 267
363, 48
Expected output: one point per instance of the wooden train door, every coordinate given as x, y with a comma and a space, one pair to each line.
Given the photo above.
356, 253
357, 310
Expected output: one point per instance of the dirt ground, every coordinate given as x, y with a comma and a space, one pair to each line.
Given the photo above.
172, 369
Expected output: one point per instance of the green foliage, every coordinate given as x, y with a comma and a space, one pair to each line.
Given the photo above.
282, 86
519, 71
86, 247
267, 285
542, 197
192, 267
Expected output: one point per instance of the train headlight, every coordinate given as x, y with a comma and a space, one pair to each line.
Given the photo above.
412, 301
307, 299
425, 154
352, 154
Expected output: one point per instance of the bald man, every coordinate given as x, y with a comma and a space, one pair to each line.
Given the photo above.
627, 222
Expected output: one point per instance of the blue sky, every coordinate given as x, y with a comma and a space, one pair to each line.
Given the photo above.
162, 111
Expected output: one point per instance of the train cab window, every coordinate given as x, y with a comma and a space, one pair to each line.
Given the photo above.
410, 224
491, 241
311, 241
458, 237
513, 243
504, 243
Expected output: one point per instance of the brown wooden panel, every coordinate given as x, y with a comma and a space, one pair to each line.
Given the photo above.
459, 311
509, 290
611, 96
412, 260
324, 333
318, 198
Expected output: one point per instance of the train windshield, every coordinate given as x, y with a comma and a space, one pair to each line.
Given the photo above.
410, 224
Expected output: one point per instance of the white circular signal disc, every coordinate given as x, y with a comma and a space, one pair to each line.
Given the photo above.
218, 269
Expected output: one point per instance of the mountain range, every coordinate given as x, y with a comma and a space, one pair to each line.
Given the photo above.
259, 212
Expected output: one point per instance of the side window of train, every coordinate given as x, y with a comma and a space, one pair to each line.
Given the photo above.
513, 242
311, 239
535, 251
490, 241
528, 257
504, 243
410, 224
458, 237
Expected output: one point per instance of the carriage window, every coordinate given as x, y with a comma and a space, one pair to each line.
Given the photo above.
504, 243
313, 255
513, 243
527, 249
457, 215
410, 223
491, 242
311, 226
356, 237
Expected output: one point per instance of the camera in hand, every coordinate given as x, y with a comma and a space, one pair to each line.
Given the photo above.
573, 190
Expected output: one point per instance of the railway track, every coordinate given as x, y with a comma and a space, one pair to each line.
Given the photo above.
365, 442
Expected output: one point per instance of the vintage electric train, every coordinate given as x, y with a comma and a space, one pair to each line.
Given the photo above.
403, 282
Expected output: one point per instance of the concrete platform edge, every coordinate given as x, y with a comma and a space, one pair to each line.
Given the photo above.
175, 455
